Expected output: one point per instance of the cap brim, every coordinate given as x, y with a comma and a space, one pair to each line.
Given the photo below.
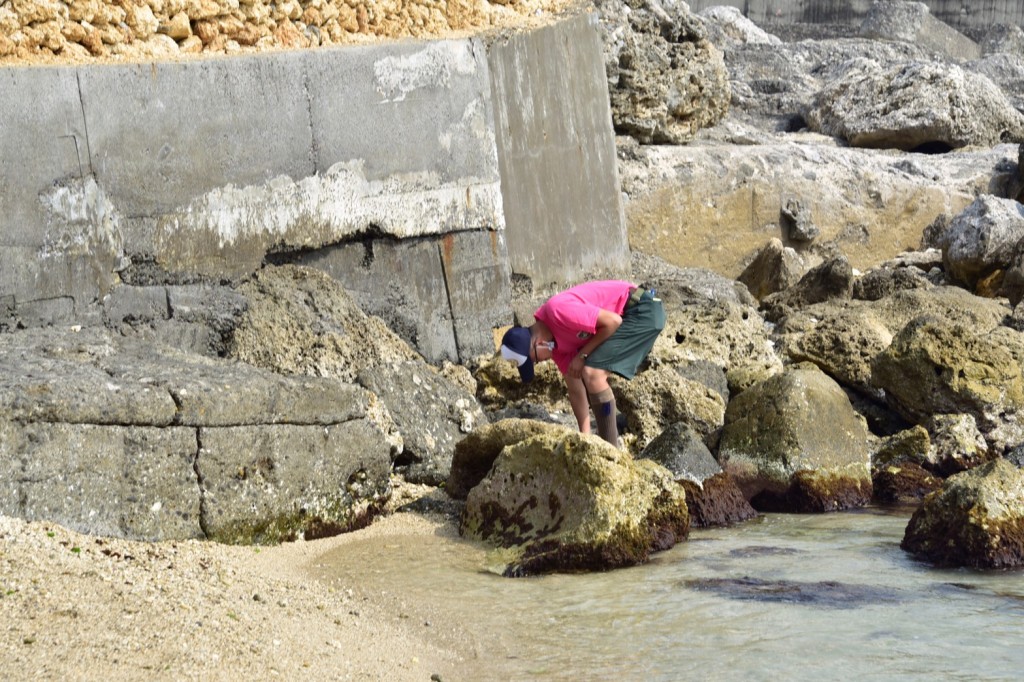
526, 371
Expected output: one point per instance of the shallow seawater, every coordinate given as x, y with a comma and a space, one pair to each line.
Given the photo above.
783, 597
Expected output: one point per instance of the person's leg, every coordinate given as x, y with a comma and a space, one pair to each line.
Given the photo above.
601, 398
578, 400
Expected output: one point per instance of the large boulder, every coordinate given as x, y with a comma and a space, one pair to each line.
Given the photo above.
571, 503
120, 436
833, 279
983, 239
913, 106
794, 443
913, 22
661, 396
431, 412
976, 520
666, 81
475, 454
774, 268
712, 497
730, 335
898, 473
301, 321
935, 366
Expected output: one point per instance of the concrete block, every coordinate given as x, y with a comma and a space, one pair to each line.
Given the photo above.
135, 304
134, 482
265, 484
556, 148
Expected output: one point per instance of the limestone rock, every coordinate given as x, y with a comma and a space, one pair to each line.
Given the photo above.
956, 444
975, 520
912, 106
711, 495
665, 79
661, 396
934, 366
714, 204
881, 282
571, 503
833, 279
898, 473
727, 26
983, 238
794, 443
431, 413
912, 22
774, 268
300, 321
1003, 39
475, 454
731, 336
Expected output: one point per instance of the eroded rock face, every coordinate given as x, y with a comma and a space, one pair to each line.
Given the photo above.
574, 503
916, 105
666, 81
300, 321
794, 443
976, 520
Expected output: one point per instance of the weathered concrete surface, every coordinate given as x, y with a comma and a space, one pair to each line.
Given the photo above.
556, 153
118, 436
432, 171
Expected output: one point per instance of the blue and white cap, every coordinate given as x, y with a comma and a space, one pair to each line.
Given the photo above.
515, 345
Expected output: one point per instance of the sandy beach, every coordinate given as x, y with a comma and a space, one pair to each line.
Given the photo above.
77, 607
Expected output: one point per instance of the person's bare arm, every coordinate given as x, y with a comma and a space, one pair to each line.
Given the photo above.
607, 324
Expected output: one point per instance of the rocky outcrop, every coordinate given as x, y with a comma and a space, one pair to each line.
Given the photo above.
714, 203
666, 81
119, 436
976, 520
913, 106
712, 497
794, 443
774, 268
898, 475
571, 503
660, 396
833, 279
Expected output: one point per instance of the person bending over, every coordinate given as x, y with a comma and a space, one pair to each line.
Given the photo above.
590, 331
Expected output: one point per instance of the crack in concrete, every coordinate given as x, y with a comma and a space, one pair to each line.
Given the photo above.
85, 127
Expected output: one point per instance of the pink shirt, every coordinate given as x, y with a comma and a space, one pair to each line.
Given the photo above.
572, 315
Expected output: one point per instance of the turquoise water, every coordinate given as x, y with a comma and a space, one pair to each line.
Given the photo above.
781, 598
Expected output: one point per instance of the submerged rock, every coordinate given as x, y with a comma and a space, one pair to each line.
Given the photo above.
572, 503
711, 495
794, 443
976, 519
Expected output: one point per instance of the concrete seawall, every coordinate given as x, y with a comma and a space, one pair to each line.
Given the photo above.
417, 173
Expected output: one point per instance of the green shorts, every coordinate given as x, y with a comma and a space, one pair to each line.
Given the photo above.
642, 321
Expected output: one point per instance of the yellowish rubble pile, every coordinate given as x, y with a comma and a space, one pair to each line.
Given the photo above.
129, 30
